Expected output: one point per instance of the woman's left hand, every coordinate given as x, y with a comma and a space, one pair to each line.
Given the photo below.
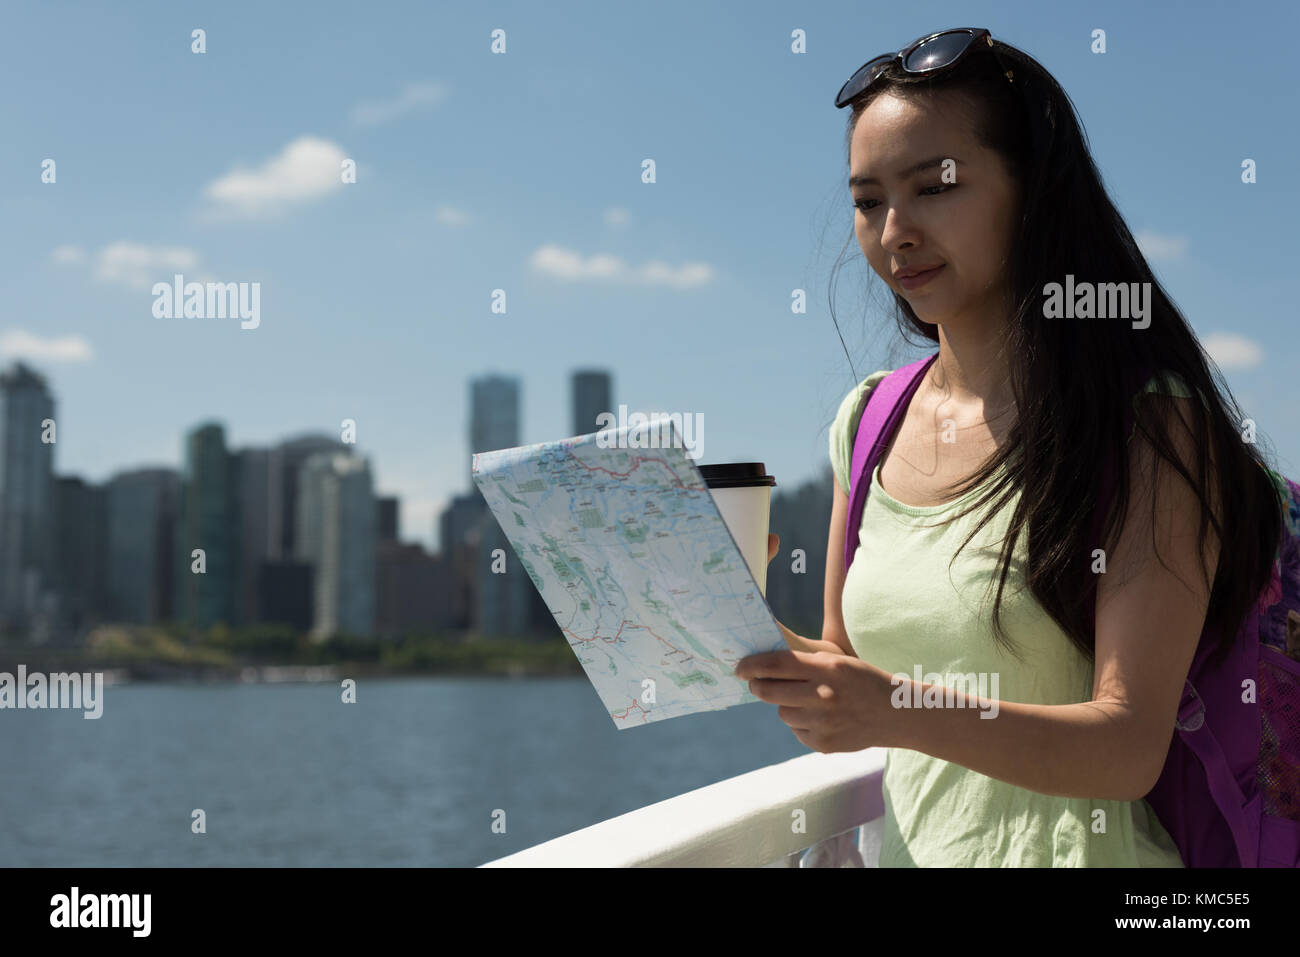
832, 702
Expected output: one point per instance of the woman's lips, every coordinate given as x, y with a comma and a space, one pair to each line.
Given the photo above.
920, 279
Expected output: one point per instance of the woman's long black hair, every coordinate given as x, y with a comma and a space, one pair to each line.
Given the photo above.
1073, 379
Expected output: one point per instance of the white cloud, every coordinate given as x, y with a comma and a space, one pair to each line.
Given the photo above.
451, 217
21, 344
140, 266
565, 264
1231, 351
1157, 247
414, 96
616, 216
69, 255
306, 169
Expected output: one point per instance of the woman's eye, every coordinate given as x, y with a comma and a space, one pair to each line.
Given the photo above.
860, 204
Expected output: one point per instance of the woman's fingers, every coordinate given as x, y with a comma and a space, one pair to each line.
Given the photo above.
773, 546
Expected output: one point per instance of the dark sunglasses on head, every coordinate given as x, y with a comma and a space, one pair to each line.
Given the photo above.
929, 54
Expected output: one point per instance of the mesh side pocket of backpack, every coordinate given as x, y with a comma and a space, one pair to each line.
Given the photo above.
1278, 771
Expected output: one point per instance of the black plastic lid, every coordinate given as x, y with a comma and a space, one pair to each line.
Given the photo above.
736, 475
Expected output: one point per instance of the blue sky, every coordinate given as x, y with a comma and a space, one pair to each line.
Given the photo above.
522, 171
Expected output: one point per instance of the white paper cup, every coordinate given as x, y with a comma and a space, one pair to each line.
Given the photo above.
743, 493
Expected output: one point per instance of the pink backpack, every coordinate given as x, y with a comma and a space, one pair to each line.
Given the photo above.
1229, 793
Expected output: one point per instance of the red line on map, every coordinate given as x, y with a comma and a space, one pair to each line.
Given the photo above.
638, 461
628, 710
673, 649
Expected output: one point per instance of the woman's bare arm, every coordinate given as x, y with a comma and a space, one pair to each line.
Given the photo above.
833, 630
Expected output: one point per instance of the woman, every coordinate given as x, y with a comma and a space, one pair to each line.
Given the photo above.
970, 162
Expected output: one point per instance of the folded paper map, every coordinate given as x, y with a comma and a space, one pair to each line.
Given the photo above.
625, 544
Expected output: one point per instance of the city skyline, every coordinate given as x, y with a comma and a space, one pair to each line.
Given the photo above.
293, 533
584, 382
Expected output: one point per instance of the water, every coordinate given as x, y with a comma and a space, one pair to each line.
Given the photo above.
289, 776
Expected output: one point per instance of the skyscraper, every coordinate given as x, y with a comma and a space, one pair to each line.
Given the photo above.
284, 464
140, 560
336, 532
259, 538
591, 395
506, 597
412, 591
80, 550
493, 416
26, 494
459, 531
387, 531
208, 520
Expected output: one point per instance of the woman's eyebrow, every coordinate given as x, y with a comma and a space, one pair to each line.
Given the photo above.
858, 179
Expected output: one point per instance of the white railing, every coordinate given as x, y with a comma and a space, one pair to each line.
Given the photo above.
817, 810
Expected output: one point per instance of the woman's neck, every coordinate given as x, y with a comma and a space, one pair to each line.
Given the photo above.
972, 371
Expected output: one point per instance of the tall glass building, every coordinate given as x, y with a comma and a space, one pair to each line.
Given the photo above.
26, 496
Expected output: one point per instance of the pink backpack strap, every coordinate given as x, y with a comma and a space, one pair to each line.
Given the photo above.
884, 410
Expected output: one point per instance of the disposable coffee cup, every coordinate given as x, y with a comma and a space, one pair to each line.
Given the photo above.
743, 493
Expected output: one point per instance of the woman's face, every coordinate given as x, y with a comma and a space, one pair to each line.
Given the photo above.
916, 219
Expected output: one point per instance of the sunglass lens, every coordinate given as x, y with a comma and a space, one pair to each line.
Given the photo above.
862, 79
939, 52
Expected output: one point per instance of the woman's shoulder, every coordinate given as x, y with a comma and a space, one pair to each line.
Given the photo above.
857, 396
845, 427
1165, 383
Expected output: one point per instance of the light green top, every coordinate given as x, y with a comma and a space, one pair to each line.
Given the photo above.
903, 607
